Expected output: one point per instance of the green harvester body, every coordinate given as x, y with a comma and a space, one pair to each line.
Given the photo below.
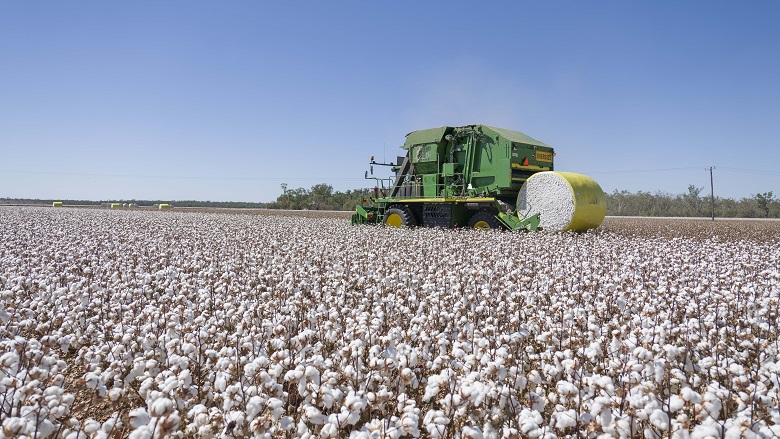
451, 177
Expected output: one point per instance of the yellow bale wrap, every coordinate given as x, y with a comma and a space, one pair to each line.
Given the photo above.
165, 206
56, 204
563, 200
115, 205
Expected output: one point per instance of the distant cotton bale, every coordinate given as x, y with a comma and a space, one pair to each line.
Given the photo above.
116, 205
56, 204
165, 206
563, 200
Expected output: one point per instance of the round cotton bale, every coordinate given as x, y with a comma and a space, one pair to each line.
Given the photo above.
56, 204
116, 205
165, 206
563, 200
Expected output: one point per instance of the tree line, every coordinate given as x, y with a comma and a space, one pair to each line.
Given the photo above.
319, 197
619, 203
692, 204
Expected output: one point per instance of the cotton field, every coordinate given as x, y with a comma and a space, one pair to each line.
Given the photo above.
169, 324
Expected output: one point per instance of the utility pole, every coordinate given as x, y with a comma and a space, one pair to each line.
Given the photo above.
712, 193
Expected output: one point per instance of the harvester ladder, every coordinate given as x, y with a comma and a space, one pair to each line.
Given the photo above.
406, 167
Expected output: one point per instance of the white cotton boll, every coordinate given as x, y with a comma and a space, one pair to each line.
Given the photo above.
143, 432
45, 428
91, 426
138, 417
92, 380
220, 384
302, 386
14, 425
254, 406
472, 432
171, 383
355, 402
735, 432
407, 375
690, 395
659, 419
605, 416
770, 431
353, 418
441, 420
196, 410
277, 407
115, 393
250, 369
565, 419
161, 407
712, 404
705, 432
410, 423
675, 403
435, 431
567, 388
431, 390
185, 378
736, 369
286, 423
329, 430
706, 362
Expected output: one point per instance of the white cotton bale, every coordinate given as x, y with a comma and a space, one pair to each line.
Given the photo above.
563, 200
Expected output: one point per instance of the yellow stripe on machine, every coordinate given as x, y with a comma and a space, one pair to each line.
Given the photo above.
529, 167
447, 200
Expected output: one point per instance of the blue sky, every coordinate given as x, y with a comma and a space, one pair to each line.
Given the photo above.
227, 100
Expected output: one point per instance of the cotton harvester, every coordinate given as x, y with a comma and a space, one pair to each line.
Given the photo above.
479, 176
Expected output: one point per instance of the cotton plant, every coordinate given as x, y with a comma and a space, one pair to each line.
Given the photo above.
166, 324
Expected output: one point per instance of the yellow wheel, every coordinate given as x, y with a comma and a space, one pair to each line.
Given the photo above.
484, 220
481, 225
394, 220
398, 216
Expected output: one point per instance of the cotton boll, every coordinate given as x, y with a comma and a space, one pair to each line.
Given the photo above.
91, 426
138, 417
565, 419
115, 393
161, 406
92, 380
329, 430
659, 419
14, 426
675, 403
690, 395
255, 405
143, 432
286, 423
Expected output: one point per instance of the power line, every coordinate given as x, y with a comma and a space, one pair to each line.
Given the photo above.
748, 171
631, 171
687, 168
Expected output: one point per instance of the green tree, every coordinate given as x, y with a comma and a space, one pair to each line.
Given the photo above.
693, 201
764, 202
321, 197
